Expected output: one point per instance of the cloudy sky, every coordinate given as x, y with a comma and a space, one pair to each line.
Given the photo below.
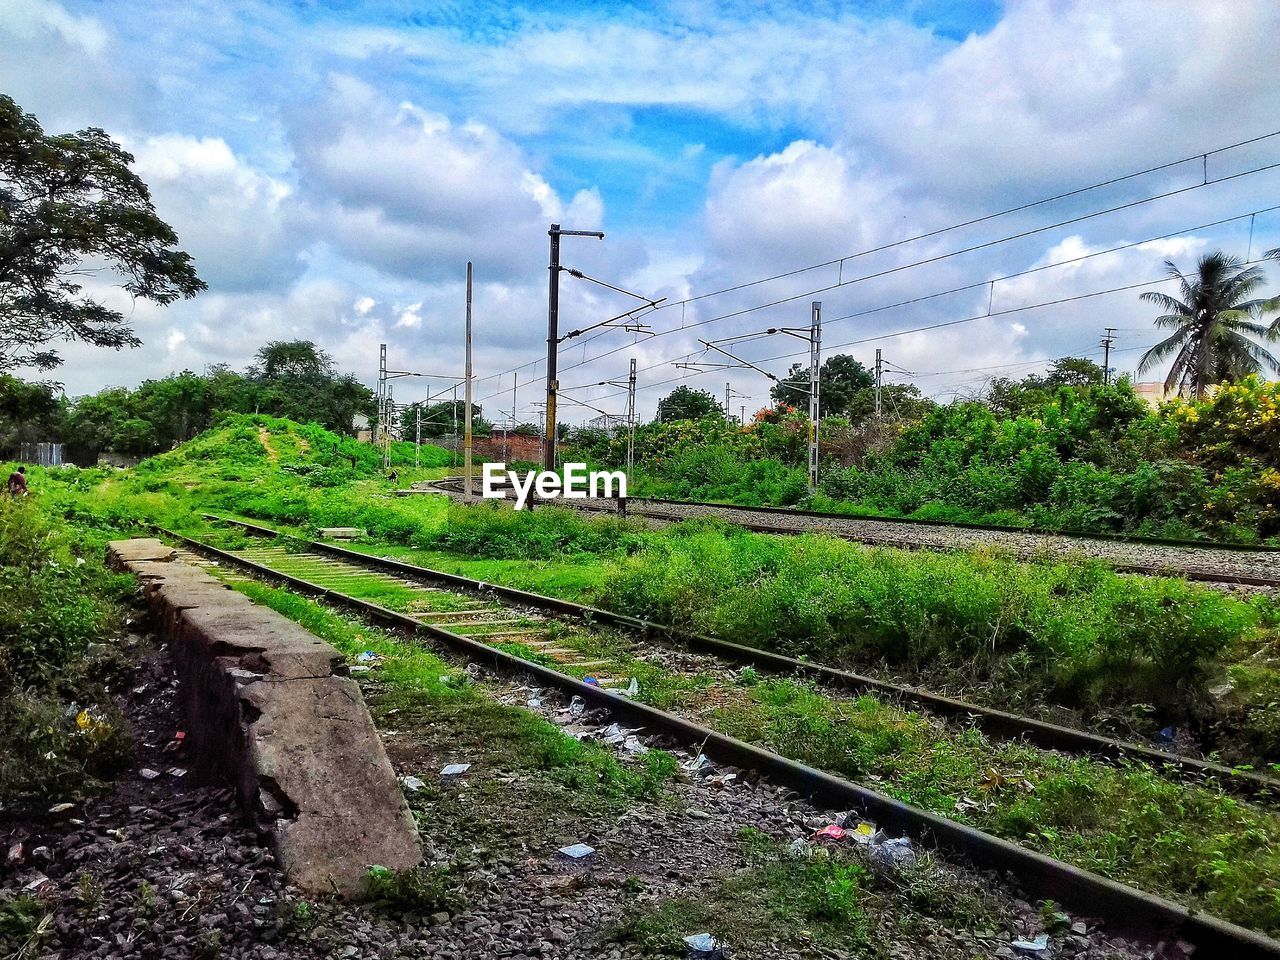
333, 164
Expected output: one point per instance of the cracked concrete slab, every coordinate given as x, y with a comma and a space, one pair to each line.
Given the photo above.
269, 709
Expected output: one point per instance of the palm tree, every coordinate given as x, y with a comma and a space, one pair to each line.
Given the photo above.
1214, 325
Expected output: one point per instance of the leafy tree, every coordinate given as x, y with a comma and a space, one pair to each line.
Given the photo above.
899, 402
66, 203
283, 359
1213, 325
29, 413
686, 403
841, 376
440, 419
296, 379
1074, 372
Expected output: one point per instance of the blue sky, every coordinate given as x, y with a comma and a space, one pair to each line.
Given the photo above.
332, 166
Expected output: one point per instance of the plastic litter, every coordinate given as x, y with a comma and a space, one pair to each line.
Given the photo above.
895, 852
577, 707
699, 765
61, 807
866, 833
15, 853
455, 769
368, 656
704, 945
591, 681
1039, 945
148, 773
632, 688
412, 784
799, 848
577, 851
176, 772
613, 734
830, 832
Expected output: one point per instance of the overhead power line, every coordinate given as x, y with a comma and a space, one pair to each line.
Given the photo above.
1206, 181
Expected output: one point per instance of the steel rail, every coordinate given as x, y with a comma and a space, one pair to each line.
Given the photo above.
999, 723
1126, 910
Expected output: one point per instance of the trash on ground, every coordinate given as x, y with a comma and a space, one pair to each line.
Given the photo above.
895, 852
412, 784
577, 851
1039, 945
176, 772
830, 832
634, 747
577, 707
455, 769
704, 945
867, 833
591, 681
632, 689
368, 656
699, 765
61, 807
15, 853
149, 774
613, 734
799, 847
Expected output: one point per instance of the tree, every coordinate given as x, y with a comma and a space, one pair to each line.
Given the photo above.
29, 413
1074, 372
298, 380
68, 203
840, 378
1013, 398
283, 359
1213, 325
899, 402
686, 403
442, 419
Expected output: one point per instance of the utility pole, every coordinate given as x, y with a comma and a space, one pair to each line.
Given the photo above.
631, 416
553, 335
879, 380
453, 413
466, 440
815, 360
742, 415
379, 424
417, 435
1107, 340
726, 400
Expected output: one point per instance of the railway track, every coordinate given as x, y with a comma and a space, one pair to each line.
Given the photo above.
1230, 565
478, 620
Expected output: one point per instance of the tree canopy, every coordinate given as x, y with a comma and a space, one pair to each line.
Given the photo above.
1216, 325
70, 206
686, 403
841, 376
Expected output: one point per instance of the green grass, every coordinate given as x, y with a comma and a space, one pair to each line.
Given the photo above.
423, 688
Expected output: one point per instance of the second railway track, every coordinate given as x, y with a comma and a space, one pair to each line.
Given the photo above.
1229, 565
478, 619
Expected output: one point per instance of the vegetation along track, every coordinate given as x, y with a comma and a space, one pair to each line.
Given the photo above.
1227, 564
512, 630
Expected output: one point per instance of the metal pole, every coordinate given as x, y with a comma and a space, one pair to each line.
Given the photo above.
631, 416
879, 376
742, 415
726, 400
379, 422
815, 361
553, 336
386, 442
466, 441
1106, 355
417, 435
453, 413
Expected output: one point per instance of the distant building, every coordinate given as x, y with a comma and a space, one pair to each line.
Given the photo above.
1153, 393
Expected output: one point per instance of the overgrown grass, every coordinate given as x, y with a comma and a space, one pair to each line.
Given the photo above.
63, 735
423, 685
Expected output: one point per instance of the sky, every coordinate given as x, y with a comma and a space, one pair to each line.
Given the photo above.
332, 166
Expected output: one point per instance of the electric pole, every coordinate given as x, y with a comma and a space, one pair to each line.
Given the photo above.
1107, 340
631, 416
466, 438
553, 335
815, 360
879, 380
417, 435
726, 400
